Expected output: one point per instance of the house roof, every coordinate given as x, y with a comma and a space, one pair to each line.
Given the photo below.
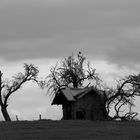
71, 94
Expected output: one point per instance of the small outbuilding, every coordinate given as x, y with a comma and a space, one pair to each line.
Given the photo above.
81, 103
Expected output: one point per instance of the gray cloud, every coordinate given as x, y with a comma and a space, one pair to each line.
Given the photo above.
40, 29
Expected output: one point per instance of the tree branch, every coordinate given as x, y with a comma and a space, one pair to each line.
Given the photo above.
1, 87
31, 73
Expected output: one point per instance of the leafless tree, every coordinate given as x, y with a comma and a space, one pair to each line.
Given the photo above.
71, 72
9, 87
121, 99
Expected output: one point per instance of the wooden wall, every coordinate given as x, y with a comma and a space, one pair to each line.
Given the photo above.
88, 107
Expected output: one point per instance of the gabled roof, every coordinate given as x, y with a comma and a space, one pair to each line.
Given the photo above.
71, 94
68, 93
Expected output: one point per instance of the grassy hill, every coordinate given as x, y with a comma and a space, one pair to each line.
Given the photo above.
69, 130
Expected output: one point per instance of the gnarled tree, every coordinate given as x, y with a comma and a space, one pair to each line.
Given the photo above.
7, 88
121, 99
72, 72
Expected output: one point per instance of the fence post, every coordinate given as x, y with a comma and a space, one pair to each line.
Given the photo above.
39, 116
17, 117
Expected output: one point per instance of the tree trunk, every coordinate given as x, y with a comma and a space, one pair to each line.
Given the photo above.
5, 114
106, 116
105, 113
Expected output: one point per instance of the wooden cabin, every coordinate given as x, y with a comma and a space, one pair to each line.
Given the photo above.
86, 103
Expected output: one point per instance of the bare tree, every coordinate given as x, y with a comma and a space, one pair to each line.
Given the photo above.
121, 99
72, 72
8, 87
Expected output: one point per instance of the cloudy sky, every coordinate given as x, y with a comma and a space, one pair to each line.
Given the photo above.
45, 31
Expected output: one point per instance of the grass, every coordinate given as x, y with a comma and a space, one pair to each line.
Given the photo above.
69, 130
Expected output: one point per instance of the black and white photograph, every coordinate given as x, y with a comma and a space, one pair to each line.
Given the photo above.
69, 69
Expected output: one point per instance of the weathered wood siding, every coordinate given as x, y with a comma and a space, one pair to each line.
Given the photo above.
88, 107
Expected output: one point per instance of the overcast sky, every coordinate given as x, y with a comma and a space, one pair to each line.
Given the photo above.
45, 31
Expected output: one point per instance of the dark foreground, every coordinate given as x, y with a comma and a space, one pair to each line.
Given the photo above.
69, 130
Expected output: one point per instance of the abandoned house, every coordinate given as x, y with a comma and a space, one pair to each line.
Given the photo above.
86, 103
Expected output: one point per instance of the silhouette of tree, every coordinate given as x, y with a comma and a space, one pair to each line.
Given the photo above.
121, 99
71, 72
8, 87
